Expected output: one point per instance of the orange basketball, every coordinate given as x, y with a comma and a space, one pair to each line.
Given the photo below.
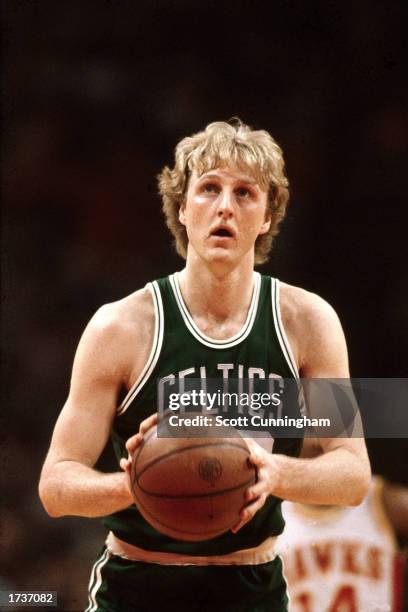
192, 488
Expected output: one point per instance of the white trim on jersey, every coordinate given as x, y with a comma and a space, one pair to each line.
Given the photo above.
154, 353
280, 330
257, 555
96, 580
206, 340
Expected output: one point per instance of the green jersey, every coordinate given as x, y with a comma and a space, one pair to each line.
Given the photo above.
181, 351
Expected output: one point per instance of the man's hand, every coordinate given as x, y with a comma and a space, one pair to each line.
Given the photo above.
266, 465
135, 441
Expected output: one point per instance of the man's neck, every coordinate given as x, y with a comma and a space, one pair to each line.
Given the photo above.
217, 294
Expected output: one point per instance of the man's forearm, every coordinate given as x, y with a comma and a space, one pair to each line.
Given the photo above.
71, 488
338, 477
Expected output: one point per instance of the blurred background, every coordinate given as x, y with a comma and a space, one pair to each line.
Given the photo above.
95, 97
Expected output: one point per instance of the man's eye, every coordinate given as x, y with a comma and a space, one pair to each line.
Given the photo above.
242, 192
210, 188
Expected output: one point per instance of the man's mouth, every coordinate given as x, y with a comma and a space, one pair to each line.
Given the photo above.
222, 232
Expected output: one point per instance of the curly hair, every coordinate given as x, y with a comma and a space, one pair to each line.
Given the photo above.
226, 144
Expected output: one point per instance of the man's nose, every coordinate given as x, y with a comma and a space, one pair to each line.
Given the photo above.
226, 204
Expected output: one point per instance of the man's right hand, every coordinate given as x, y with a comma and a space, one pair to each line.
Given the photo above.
135, 441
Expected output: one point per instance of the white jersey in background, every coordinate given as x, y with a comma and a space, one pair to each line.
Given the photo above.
340, 559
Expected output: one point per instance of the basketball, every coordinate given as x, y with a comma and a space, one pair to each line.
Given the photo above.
192, 488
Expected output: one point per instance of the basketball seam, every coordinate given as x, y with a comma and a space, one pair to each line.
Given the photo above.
199, 495
183, 450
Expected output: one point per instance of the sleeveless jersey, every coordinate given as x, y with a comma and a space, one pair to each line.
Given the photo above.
340, 559
181, 350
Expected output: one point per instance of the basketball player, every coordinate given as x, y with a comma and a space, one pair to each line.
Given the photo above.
346, 559
223, 200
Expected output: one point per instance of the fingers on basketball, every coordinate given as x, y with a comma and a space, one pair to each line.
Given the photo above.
125, 465
133, 443
249, 512
145, 425
136, 440
255, 452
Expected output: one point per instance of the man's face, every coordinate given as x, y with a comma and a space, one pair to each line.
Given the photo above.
224, 212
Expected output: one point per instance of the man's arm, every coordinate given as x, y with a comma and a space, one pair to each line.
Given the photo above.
341, 475
105, 361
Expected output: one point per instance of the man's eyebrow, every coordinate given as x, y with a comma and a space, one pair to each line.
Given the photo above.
217, 176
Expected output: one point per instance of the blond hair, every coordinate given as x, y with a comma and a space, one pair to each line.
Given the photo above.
219, 145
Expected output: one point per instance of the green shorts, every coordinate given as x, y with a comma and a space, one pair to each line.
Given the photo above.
119, 585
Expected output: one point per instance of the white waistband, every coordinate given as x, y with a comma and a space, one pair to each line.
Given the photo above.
250, 556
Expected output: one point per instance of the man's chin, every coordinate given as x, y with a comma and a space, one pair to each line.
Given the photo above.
220, 254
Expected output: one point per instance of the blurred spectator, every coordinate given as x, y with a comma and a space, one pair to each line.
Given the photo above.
346, 559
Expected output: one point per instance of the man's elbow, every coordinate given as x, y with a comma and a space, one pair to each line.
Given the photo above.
49, 498
360, 486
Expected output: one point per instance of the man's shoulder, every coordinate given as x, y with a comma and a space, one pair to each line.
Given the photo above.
118, 337
130, 314
304, 308
314, 331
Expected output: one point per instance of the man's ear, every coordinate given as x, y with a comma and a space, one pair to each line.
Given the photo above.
266, 224
182, 213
